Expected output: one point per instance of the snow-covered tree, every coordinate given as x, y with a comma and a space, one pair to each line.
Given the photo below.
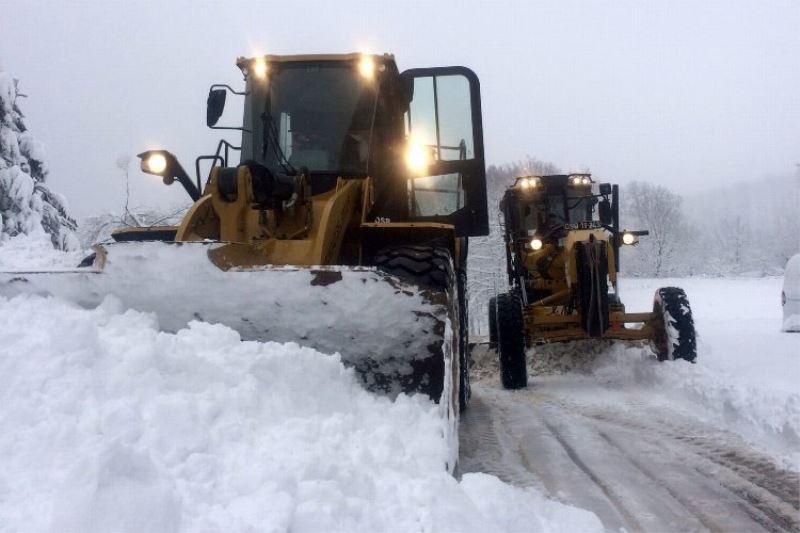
655, 208
98, 228
26, 203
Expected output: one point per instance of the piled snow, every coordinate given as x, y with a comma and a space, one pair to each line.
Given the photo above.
378, 323
35, 252
109, 424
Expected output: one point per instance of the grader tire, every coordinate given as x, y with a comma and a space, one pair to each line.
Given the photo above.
511, 341
675, 336
493, 321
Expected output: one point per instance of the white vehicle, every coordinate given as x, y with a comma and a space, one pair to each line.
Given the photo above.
790, 297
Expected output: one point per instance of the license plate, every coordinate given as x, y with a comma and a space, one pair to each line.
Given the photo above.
591, 224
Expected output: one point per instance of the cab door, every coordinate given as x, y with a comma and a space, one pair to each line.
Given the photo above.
444, 155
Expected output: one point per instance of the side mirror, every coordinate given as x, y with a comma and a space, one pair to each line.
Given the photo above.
604, 210
215, 105
605, 189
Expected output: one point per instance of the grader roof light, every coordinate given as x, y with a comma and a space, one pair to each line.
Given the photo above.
580, 180
529, 182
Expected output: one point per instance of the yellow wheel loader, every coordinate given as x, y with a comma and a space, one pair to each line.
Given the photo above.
339, 222
563, 241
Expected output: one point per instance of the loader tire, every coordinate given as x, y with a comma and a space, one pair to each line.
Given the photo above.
511, 341
493, 321
675, 336
431, 267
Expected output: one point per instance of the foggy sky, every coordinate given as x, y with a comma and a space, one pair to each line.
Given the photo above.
689, 94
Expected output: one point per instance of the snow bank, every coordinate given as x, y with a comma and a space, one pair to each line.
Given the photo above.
35, 252
109, 424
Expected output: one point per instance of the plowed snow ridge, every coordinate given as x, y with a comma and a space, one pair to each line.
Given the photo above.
109, 424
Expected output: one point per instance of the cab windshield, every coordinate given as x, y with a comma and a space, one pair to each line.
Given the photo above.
318, 116
553, 211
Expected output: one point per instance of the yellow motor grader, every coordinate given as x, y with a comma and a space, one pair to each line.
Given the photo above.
340, 221
563, 240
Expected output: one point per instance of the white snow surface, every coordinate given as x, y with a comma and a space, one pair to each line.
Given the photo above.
746, 379
110, 424
35, 252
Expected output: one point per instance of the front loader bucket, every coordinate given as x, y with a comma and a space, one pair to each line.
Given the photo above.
396, 335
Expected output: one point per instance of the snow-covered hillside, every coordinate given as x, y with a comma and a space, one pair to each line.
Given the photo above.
109, 424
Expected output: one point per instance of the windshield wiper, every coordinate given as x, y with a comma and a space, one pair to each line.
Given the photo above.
271, 140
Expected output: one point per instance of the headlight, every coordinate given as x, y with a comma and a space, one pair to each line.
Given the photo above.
418, 157
366, 67
155, 163
536, 244
529, 182
628, 238
260, 68
580, 180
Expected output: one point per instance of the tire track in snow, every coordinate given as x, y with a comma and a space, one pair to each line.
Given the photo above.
493, 446
613, 498
772, 483
707, 522
768, 495
638, 468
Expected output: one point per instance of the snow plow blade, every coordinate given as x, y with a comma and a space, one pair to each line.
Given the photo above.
396, 335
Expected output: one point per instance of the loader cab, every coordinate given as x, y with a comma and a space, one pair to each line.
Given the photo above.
418, 134
317, 115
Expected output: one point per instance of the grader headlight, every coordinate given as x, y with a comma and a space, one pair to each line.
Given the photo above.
629, 238
536, 243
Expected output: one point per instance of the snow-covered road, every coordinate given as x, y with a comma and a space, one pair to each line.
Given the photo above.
638, 469
656, 447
